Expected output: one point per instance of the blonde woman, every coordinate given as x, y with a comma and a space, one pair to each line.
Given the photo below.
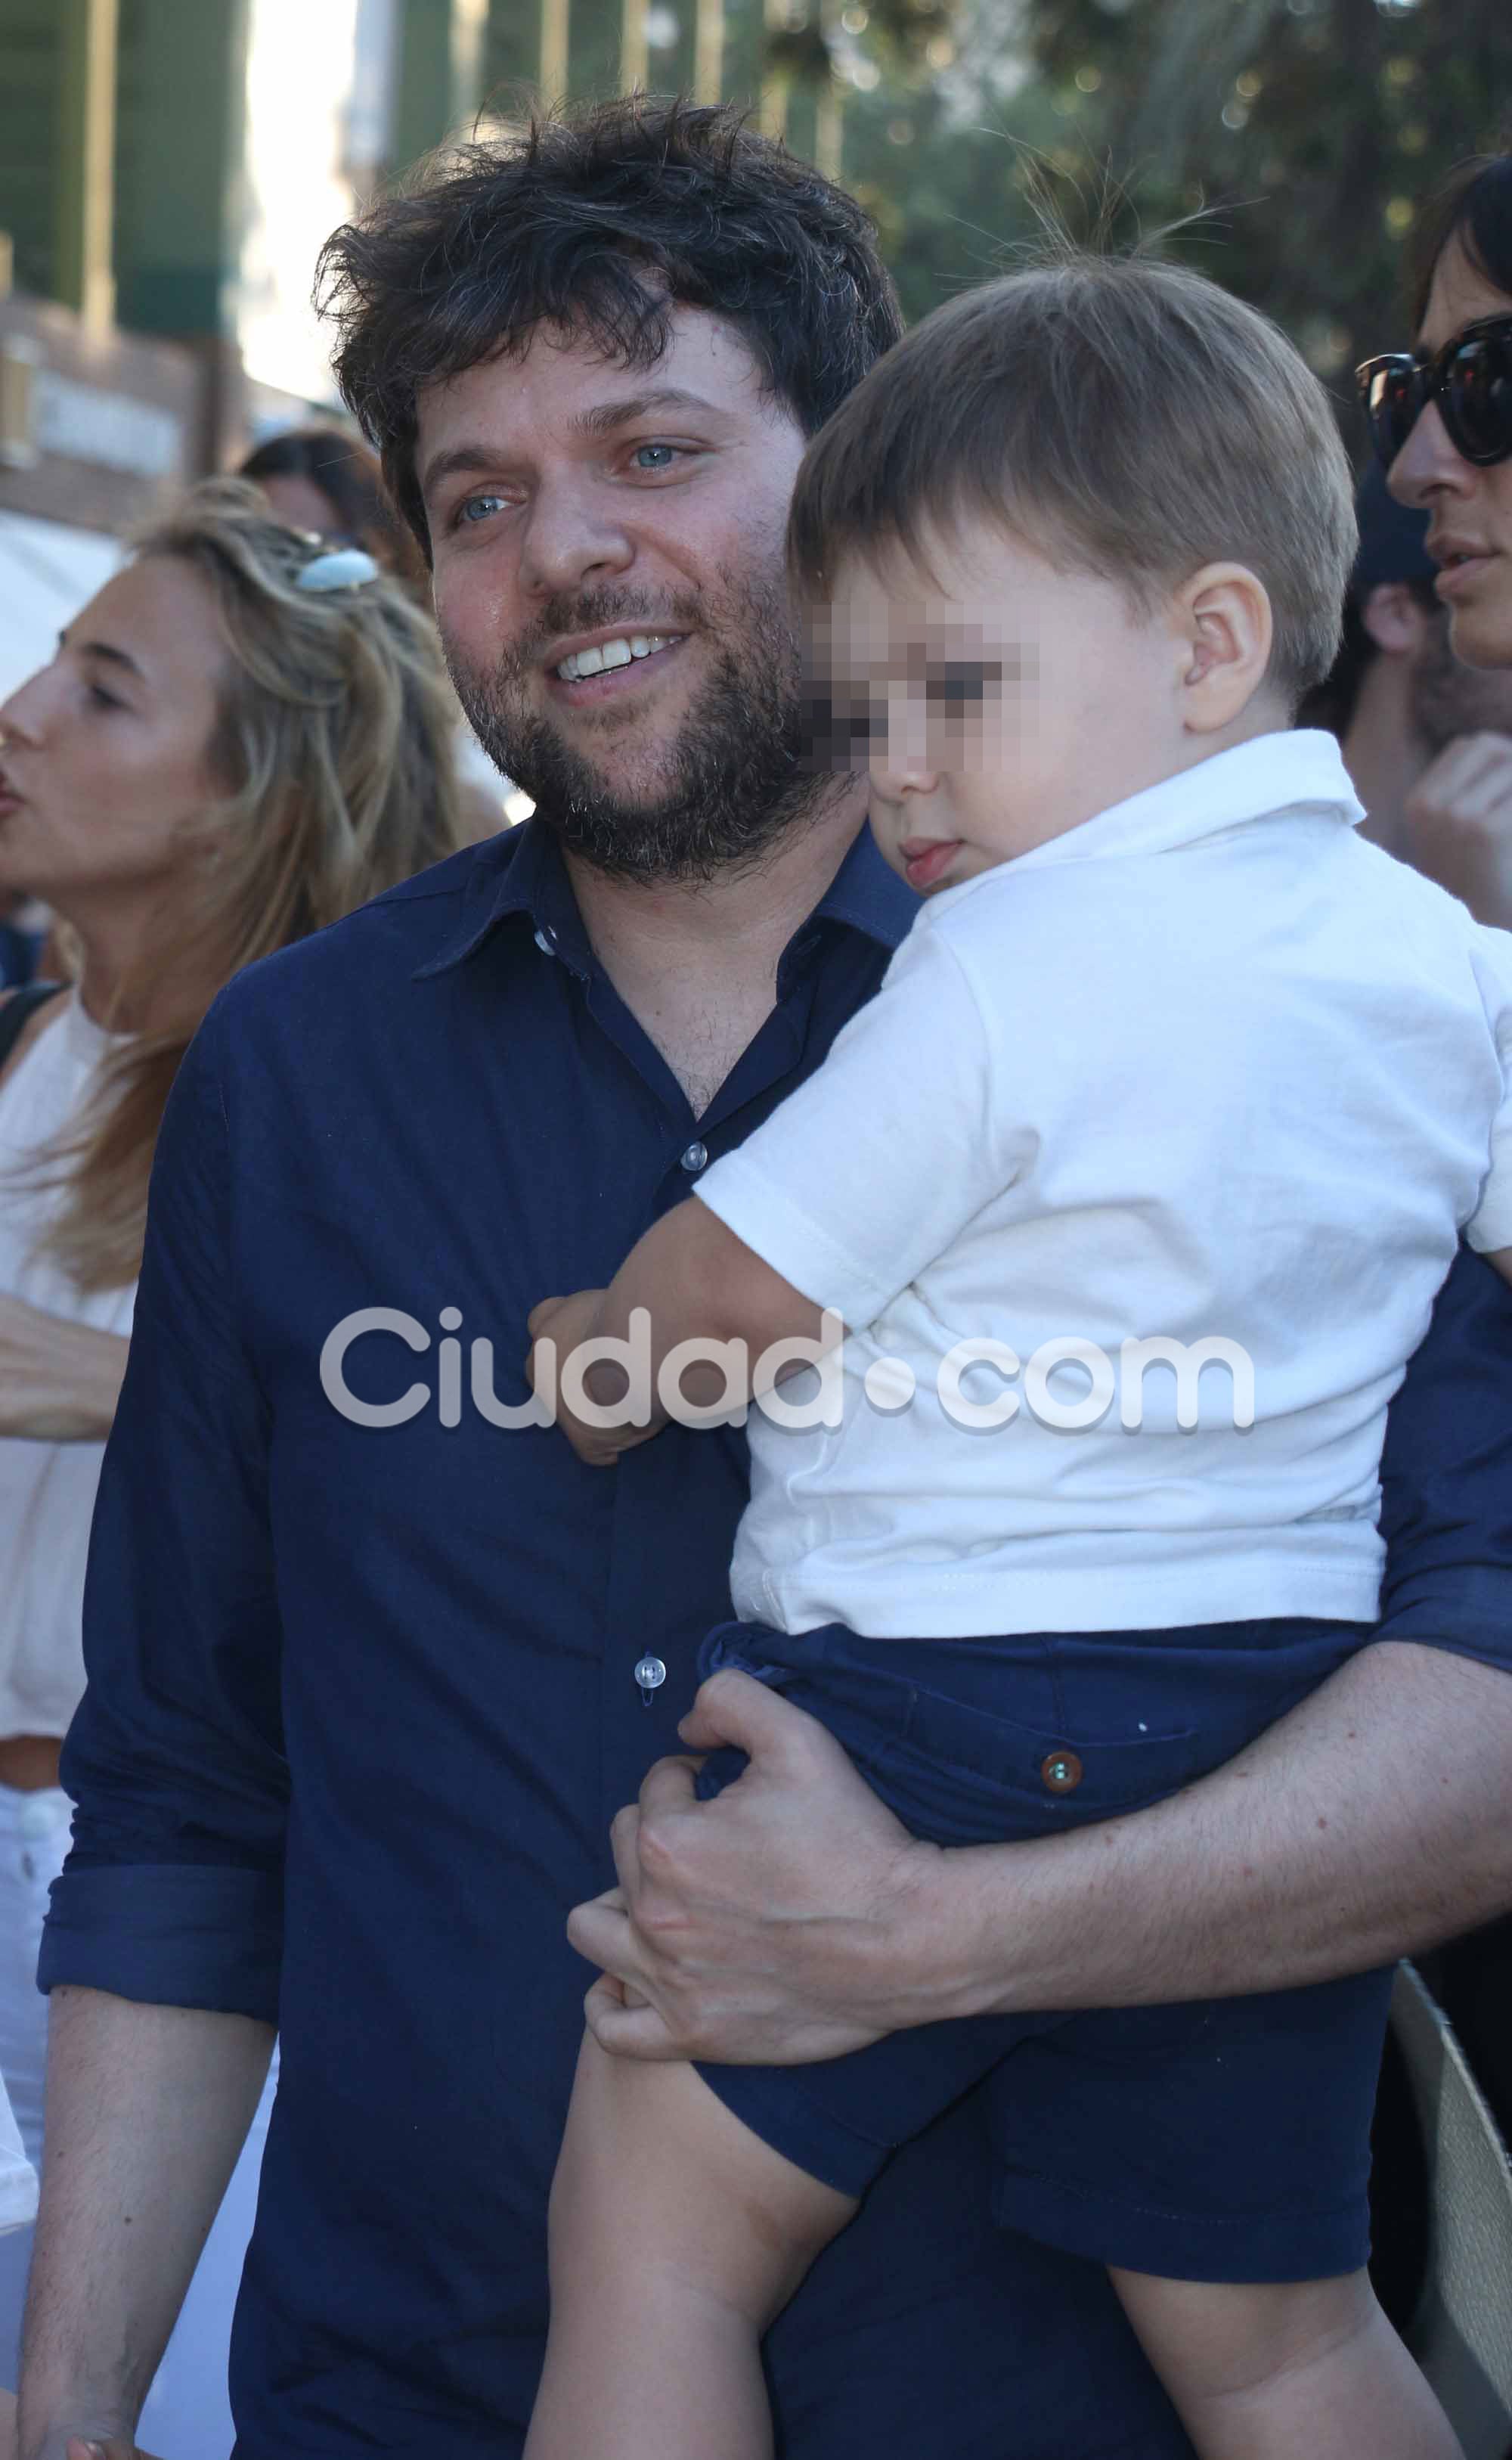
241, 737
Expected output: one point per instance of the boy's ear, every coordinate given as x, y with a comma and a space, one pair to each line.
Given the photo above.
1224, 631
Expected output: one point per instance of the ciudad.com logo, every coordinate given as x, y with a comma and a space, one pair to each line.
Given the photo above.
1067, 1383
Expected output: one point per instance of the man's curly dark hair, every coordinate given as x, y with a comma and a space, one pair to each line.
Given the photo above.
600, 221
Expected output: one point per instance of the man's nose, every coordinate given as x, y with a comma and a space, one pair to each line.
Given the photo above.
1428, 462
572, 535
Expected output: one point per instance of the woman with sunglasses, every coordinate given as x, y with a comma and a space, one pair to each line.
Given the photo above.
1440, 421
1440, 418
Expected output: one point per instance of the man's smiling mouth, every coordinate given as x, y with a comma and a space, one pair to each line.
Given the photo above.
626, 649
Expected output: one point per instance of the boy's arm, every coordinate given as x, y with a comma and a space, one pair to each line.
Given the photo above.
868, 1172
689, 1279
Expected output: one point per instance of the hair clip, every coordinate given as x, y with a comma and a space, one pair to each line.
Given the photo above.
348, 568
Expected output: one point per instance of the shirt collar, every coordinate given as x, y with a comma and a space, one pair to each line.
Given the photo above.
867, 893
1299, 771
522, 872
519, 871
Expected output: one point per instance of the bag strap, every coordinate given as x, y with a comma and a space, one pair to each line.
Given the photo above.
19, 1007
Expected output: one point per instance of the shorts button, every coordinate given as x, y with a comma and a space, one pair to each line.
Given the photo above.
1060, 1771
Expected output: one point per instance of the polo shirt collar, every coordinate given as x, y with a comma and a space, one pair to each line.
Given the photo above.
522, 872
1301, 771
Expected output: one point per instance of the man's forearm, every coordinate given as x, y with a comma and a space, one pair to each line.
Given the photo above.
1369, 1823
147, 2109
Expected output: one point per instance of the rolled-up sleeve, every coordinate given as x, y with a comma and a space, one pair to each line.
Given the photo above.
1446, 1477
173, 1891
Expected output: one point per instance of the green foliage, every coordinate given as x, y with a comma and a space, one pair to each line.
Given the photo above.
1316, 126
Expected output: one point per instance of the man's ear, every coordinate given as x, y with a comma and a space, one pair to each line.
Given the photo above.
1395, 618
1224, 630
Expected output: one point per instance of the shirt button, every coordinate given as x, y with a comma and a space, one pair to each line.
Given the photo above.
694, 1157
650, 1673
546, 941
1060, 1772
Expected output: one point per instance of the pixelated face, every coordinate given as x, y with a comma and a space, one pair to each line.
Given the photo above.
995, 700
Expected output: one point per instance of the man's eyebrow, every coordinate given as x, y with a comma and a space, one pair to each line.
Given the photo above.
477, 459
612, 415
102, 649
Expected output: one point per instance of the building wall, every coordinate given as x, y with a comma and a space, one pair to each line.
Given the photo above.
31, 48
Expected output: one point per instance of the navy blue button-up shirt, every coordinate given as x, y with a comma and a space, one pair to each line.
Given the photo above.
364, 1699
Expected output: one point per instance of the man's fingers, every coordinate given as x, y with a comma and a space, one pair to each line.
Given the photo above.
734, 1707
602, 1932
668, 1786
627, 2032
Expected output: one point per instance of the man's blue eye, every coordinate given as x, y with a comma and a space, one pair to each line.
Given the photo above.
472, 505
669, 449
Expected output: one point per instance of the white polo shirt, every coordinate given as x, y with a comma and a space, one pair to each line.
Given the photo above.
1209, 1067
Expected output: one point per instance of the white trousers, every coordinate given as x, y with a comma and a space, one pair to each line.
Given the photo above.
187, 2415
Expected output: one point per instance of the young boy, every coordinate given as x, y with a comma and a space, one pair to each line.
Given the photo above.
1172, 1066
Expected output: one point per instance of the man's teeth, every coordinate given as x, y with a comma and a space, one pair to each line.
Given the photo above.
613, 653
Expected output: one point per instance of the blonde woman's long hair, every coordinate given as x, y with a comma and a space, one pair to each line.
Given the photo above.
335, 742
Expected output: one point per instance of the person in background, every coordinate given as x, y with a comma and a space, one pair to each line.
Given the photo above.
1427, 739
323, 480
240, 739
1441, 425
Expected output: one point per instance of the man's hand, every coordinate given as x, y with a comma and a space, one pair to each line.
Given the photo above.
784, 1922
1459, 824
63, 2446
567, 1324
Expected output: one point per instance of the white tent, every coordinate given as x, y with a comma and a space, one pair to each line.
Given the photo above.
48, 570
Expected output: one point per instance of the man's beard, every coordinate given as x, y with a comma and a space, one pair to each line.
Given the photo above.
732, 779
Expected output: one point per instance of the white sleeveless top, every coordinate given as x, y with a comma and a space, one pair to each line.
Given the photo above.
47, 1491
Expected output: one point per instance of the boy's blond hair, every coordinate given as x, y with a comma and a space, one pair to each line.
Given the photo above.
1125, 417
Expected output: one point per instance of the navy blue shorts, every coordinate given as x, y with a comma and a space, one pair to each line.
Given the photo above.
1219, 2139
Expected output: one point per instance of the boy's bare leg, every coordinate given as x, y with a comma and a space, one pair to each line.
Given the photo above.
676, 2238
1267, 2372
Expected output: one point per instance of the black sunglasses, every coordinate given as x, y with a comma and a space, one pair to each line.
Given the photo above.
1469, 381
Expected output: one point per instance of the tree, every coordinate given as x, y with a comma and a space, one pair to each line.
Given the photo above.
1316, 126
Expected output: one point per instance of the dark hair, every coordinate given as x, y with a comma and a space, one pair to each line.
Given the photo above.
1124, 417
351, 481
1475, 208
598, 221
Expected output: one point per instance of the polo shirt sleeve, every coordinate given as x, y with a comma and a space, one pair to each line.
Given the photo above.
1446, 1476
874, 1167
173, 1891
1491, 1226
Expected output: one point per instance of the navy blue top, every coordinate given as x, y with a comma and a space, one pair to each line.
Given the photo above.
19, 952
363, 1701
